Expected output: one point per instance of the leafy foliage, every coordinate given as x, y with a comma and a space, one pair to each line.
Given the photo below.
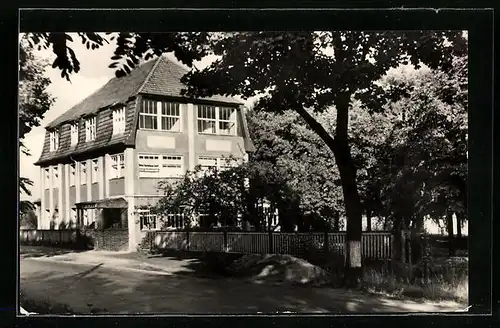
34, 100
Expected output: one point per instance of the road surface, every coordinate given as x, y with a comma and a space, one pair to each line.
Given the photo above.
118, 291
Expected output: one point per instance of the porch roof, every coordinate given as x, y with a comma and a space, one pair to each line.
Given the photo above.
105, 203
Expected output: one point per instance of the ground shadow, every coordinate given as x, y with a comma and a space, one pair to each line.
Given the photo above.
27, 251
105, 290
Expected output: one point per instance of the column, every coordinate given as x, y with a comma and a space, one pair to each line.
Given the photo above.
107, 164
89, 179
100, 176
51, 196
67, 208
191, 126
41, 218
60, 208
78, 182
134, 232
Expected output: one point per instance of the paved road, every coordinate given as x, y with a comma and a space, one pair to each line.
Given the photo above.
113, 290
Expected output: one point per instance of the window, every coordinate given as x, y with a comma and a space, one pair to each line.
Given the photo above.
207, 121
95, 171
55, 176
90, 129
47, 178
54, 140
220, 164
160, 115
117, 166
207, 162
227, 121
72, 173
174, 221
171, 166
118, 120
83, 173
149, 166
74, 134
216, 120
148, 221
160, 166
73, 214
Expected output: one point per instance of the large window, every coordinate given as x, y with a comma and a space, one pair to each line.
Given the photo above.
83, 173
95, 170
216, 120
117, 166
148, 221
118, 120
72, 173
90, 129
160, 115
160, 166
74, 134
54, 140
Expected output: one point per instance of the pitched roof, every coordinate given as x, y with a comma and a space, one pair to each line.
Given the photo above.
148, 78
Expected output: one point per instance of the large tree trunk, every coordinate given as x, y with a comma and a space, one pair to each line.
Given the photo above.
342, 153
449, 228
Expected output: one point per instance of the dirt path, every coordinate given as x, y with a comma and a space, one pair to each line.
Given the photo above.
114, 289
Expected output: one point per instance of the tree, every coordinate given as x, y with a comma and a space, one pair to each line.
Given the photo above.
34, 102
297, 71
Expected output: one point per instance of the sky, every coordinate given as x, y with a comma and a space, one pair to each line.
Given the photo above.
93, 74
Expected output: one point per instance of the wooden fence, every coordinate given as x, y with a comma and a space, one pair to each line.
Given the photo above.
375, 245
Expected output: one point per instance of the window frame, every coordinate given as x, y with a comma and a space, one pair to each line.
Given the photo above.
83, 171
146, 214
217, 120
118, 116
117, 160
158, 165
72, 174
90, 129
74, 136
156, 113
94, 175
54, 140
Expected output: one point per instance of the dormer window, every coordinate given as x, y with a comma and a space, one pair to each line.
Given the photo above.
216, 120
160, 115
74, 134
118, 120
54, 140
90, 129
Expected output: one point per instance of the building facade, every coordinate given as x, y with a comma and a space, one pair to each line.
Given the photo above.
105, 156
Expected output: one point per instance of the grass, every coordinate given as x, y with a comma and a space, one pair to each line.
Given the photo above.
436, 288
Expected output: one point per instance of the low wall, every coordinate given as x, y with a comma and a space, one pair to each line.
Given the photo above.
109, 239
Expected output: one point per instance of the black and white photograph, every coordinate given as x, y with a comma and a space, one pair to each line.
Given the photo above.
244, 172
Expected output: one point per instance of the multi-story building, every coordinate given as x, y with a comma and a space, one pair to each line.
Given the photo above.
105, 156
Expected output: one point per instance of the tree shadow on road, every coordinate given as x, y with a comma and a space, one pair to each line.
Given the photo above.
109, 291
44, 251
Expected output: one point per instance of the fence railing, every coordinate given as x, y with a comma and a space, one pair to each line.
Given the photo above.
374, 245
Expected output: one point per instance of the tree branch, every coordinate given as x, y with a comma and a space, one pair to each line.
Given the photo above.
318, 128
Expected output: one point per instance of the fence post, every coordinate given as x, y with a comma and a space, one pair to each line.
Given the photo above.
188, 242
225, 240
271, 250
